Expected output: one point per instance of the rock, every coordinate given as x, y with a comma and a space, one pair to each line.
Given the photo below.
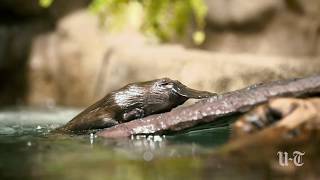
198, 69
15, 40
280, 28
70, 57
20, 22
29, 9
89, 62
22, 7
286, 113
224, 13
294, 122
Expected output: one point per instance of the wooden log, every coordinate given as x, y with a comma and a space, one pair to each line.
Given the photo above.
210, 109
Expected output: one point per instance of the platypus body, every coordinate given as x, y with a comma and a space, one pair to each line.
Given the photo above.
133, 101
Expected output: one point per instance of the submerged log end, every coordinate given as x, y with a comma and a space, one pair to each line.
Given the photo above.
115, 132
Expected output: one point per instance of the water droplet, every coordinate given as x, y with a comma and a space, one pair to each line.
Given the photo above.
218, 111
204, 114
29, 143
147, 156
149, 138
157, 138
91, 138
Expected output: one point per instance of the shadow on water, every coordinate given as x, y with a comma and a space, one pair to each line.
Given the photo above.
207, 135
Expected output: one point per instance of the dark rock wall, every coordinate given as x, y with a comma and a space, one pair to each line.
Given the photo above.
20, 22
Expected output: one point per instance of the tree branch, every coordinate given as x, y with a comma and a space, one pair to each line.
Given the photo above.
208, 110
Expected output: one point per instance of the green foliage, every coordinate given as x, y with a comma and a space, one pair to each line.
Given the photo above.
165, 19
45, 3
112, 13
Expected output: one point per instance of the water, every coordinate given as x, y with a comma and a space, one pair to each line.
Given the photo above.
29, 151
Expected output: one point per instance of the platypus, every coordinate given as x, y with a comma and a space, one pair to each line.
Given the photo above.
133, 101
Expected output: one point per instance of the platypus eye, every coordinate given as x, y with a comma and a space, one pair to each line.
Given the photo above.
165, 83
169, 85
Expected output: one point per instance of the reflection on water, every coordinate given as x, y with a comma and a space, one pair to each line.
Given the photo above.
29, 151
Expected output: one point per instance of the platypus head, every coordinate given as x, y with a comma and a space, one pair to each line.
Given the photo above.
163, 94
174, 87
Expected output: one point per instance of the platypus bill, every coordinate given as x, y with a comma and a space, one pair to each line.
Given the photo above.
133, 101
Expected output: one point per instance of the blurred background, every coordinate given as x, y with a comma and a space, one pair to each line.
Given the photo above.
71, 53
57, 56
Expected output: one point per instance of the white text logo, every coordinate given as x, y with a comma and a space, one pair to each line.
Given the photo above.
296, 158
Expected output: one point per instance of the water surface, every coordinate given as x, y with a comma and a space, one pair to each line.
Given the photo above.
29, 151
